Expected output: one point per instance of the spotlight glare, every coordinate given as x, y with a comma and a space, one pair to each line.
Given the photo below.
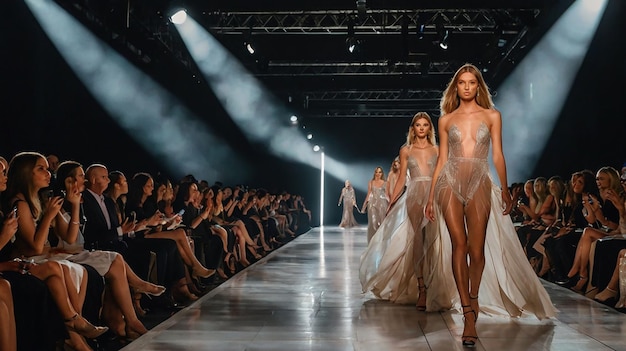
316, 148
250, 48
352, 44
293, 118
179, 17
309, 136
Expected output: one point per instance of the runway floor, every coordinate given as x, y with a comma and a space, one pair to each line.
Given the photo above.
306, 295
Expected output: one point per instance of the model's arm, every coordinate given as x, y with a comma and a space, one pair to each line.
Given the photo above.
498, 158
442, 158
388, 190
367, 196
343, 190
401, 180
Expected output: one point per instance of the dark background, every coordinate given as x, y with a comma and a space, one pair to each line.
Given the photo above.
46, 109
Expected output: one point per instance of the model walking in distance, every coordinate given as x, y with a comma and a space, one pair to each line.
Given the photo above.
392, 177
475, 212
348, 198
392, 265
376, 201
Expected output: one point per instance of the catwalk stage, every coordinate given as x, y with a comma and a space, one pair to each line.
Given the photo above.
306, 296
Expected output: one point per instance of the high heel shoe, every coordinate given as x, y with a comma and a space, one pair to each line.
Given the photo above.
160, 290
580, 285
88, 330
469, 340
605, 295
196, 274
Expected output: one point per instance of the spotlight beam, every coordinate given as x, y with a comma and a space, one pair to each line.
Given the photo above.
136, 102
531, 98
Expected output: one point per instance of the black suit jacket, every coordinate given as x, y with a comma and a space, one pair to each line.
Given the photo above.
97, 234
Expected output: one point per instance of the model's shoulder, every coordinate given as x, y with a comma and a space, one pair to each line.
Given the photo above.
445, 119
492, 113
403, 150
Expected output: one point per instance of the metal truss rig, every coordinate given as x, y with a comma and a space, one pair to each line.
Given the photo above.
371, 103
374, 22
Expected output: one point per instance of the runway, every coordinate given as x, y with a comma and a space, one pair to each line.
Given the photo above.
306, 295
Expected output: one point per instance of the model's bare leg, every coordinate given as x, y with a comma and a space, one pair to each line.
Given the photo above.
454, 216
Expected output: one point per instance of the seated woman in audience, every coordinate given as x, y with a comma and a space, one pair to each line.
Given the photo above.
305, 214
245, 211
238, 227
238, 210
558, 189
602, 210
139, 191
28, 174
530, 204
211, 240
543, 213
117, 310
560, 247
169, 267
261, 208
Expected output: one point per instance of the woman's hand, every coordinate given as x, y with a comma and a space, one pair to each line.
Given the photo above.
429, 211
73, 194
507, 201
53, 206
9, 228
10, 266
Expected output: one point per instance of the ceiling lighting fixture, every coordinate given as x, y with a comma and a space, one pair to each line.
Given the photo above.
250, 47
442, 36
179, 17
352, 43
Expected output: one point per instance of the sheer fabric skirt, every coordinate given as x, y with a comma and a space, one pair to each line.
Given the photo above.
389, 266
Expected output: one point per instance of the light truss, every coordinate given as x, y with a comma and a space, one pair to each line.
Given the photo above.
376, 21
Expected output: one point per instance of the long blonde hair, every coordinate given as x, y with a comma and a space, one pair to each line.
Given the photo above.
411, 137
450, 100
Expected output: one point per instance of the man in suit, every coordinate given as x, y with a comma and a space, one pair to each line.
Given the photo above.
104, 231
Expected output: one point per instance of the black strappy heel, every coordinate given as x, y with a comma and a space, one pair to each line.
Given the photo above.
477, 310
469, 340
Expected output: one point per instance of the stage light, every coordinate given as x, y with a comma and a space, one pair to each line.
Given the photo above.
352, 44
309, 136
443, 42
316, 148
250, 47
442, 36
179, 17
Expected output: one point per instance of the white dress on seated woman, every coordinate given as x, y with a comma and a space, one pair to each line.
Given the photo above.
100, 260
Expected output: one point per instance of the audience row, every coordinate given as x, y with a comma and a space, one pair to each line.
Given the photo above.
574, 232
80, 246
